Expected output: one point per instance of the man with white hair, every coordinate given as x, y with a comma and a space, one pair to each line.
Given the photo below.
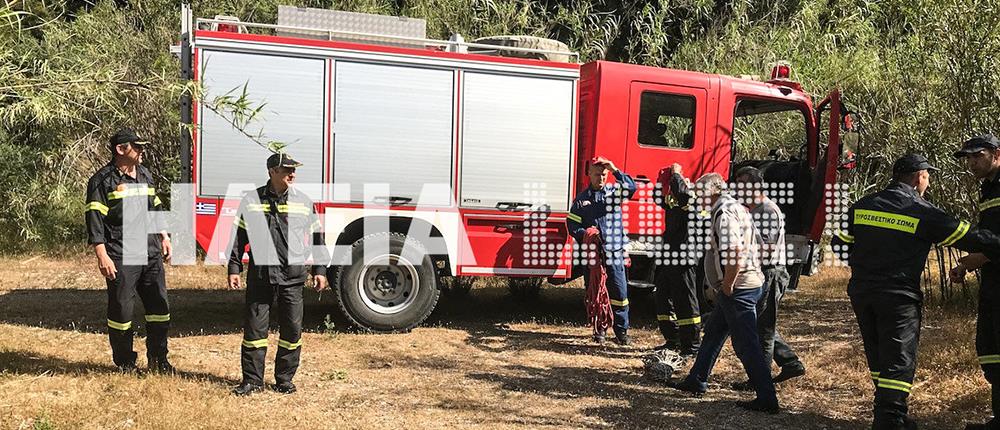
732, 268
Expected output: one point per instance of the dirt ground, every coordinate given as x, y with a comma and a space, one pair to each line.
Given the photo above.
483, 360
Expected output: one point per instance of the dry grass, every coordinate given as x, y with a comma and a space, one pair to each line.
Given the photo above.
482, 361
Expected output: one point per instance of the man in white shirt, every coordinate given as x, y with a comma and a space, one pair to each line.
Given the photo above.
732, 268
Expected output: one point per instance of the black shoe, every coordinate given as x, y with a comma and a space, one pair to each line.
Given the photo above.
758, 405
743, 386
686, 386
599, 339
162, 367
789, 372
623, 340
130, 369
285, 387
246, 389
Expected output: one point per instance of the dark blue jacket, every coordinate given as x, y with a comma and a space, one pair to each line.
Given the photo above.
889, 234
602, 209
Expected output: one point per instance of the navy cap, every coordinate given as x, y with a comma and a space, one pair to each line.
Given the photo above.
126, 135
281, 159
976, 144
910, 163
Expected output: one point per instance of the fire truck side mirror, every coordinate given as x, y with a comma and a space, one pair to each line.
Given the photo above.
848, 123
850, 141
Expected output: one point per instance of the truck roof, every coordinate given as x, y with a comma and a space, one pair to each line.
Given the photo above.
636, 72
400, 50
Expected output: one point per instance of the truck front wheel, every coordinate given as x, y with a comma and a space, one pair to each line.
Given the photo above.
387, 291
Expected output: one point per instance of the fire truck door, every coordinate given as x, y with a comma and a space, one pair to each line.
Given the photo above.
825, 156
666, 125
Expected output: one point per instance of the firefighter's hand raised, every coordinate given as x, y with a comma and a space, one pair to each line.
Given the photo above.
319, 283
235, 281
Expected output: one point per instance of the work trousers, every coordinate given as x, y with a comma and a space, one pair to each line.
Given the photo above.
617, 290
988, 334
774, 346
736, 315
149, 283
260, 296
677, 310
890, 330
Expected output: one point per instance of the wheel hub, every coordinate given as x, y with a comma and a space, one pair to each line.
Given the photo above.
388, 284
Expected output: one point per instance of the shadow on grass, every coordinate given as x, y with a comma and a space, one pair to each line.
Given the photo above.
193, 312
27, 363
638, 403
197, 312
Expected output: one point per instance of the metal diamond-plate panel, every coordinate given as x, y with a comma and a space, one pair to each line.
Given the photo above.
349, 21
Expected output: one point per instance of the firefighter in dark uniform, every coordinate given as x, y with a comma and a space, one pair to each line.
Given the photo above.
283, 215
982, 156
599, 206
677, 312
886, 241
126, 179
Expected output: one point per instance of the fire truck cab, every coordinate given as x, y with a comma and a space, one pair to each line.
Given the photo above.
472, 147
646, 118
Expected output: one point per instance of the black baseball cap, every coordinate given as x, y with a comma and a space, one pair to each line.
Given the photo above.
126, 135
281, 159
910, 163
976, 144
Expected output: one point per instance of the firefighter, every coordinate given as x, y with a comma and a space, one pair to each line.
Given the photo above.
285, 215
982, 157
677, 312
126, 179
886, 241
599, 206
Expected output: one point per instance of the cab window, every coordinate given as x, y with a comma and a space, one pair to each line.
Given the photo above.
666, 120
767, 129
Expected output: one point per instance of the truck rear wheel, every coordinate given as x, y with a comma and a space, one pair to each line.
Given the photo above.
387, 292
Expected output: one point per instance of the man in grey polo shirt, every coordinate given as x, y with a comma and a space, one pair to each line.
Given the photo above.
770, 223
732, 268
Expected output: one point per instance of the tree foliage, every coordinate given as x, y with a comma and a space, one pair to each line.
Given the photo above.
920, 72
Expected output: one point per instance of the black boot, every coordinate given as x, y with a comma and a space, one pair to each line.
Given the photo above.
161, 366
758, 405
247, 388
789, 372
285, 387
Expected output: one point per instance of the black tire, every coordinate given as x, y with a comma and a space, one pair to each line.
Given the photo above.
394, 296
524, 288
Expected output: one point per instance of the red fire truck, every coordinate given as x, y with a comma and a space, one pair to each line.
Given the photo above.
506, 129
